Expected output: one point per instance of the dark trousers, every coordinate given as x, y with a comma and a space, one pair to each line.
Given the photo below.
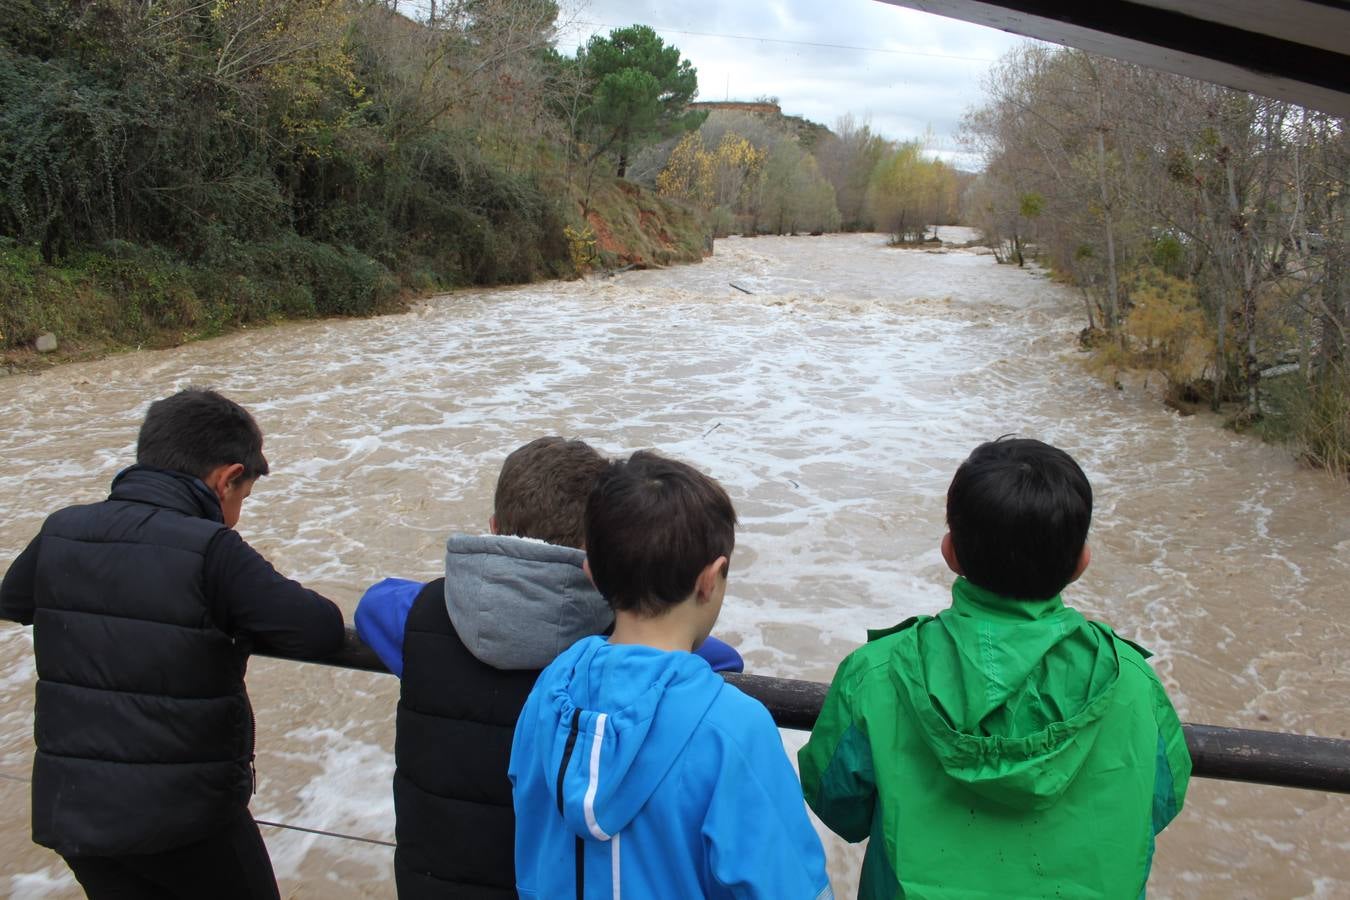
232, 863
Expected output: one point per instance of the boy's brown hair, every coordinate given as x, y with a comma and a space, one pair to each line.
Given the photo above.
542, 490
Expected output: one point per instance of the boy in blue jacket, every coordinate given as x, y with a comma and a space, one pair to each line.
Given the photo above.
468, 648
637, 770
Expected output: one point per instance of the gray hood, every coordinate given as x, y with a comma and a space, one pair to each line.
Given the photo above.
518, 603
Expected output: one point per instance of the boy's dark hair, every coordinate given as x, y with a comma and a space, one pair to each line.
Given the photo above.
652, 525
197, 430
542, 490
1018, 511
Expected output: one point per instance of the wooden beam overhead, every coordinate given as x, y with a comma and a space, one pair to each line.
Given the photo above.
1295, 50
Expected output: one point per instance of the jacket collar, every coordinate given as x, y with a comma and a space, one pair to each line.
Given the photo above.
969, 599
172, 490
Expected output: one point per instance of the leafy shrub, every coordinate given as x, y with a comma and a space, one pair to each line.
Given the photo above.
1313, 418
723, 221
581, 247
339, 280
1165, 328
149, 290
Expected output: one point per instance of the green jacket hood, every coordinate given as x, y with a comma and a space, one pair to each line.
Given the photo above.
997, 689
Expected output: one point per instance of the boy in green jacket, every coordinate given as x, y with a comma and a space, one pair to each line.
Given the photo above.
1007, 747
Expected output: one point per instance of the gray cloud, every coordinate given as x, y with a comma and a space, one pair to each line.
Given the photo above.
929, 77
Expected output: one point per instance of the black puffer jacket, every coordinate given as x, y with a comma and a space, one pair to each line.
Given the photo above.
144, 607
516, 604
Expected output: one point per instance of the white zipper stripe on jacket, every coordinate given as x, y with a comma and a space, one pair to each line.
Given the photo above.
614, 864
589, 802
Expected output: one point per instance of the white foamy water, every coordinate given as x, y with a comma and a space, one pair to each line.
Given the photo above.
834, 403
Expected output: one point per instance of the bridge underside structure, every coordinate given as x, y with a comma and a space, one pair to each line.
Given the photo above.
1295, 50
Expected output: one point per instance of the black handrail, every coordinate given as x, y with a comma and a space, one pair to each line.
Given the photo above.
1230, 754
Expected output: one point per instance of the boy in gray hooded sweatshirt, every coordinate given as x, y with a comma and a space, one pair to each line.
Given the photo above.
468, 651
468, 648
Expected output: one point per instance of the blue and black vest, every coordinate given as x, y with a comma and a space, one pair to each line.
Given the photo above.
456, 717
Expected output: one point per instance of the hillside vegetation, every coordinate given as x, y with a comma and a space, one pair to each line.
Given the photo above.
177, 168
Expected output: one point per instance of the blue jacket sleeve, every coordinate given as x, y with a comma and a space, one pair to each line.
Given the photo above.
779, 856
381, 616
721, 656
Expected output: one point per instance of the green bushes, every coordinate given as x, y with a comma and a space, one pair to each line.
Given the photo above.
177, 168
143, 288
462, 217
63, 133
123, 293
120, 293
1312, 417
311, 278
24, 285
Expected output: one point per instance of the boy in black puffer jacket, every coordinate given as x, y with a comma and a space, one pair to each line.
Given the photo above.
144, 610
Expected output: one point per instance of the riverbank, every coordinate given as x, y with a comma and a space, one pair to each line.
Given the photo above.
118, 296
1165, 349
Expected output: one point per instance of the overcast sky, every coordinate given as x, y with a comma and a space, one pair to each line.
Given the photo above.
906, 70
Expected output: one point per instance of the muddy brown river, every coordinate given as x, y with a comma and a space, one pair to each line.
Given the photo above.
834, 402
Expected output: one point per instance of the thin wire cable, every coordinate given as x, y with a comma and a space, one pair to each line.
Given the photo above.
333, 834
769, 40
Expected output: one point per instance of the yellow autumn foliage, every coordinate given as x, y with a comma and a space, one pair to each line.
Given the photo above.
1165, 329
581, 248
687, 175
710, 178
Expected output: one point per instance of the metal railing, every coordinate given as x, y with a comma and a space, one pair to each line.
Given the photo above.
1231, 754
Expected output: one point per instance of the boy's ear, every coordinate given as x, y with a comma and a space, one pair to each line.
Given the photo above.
706, 585
492, 524
949, 554
1083, 559
223, 477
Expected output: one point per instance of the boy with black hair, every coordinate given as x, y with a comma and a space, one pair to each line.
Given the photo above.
145, 608
636, 768
468, 648
1007, 747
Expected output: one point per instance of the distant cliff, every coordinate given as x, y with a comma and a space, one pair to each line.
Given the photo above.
806, 131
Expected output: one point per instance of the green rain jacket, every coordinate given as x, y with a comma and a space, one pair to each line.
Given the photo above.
1005, 748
